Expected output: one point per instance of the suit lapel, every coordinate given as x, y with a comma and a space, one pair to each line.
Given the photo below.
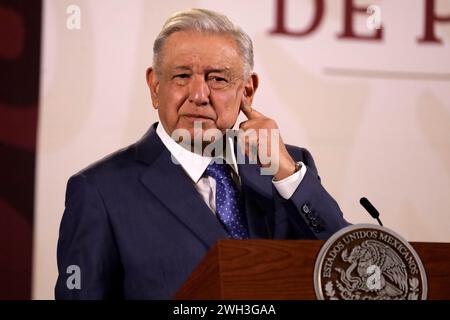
172, 186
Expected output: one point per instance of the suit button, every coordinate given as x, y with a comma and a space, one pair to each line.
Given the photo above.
318, 228
306, 208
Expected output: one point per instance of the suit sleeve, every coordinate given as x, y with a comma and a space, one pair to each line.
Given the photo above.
311, 210
88, 260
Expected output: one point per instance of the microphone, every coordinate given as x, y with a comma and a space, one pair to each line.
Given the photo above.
371, 209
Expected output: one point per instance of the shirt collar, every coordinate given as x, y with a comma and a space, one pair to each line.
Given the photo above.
193, 163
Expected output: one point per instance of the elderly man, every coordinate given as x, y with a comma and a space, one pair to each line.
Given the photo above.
138, 222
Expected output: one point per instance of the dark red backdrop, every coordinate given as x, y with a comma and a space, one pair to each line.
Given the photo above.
20, 36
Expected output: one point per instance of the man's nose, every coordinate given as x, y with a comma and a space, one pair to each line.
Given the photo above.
199, 92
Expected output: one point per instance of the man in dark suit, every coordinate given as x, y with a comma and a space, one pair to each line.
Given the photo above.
138, 222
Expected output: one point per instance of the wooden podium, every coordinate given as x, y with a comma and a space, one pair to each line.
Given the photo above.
283, 270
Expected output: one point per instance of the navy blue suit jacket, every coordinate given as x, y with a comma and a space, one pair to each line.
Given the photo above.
136, 226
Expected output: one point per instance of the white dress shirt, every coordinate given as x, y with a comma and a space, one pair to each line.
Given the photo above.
195, 165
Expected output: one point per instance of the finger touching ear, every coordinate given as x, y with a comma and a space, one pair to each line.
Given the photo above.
246, 110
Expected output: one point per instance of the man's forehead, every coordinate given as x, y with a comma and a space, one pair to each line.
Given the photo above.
202, 64
206, 68
193, 49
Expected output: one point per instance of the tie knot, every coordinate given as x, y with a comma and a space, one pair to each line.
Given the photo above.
218, 171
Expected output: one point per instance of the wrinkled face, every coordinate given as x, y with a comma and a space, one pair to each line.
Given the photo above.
200, 79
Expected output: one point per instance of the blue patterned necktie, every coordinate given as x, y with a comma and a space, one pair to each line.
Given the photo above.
229, 208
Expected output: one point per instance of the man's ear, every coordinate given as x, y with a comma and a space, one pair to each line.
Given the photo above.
153, 85
250, 87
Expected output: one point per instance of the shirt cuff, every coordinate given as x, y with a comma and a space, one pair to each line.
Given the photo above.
287, 186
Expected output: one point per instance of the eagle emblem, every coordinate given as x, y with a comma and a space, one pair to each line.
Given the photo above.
363, 262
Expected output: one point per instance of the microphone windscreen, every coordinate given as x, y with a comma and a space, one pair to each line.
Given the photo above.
369, 207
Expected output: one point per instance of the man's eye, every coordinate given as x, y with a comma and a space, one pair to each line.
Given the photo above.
182, 76
218, 79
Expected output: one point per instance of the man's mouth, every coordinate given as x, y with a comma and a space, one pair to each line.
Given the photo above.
197, 117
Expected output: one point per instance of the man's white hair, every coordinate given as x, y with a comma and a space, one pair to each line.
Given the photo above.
202, 20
